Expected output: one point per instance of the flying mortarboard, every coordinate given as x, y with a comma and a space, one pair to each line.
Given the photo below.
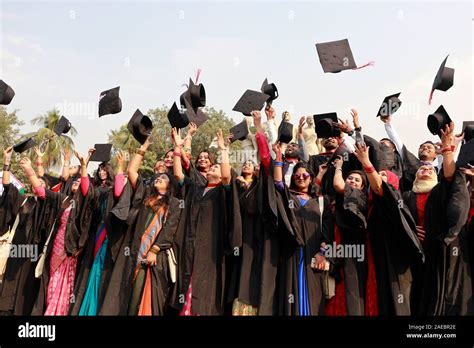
444, 79
323, 124
285, 132
250, 101
6, 93
438, 120
466, 155
101, 153
194, 99
336, 56
110, 102
240, 131
140, 126
24, 145
468, 130
390, 105
270, 90
62, 126
178, 119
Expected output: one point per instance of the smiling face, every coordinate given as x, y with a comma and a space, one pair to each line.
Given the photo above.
427, 152
330, 143
302, 179
248, 168
292, 150
425, 173
168, 160
203, 162
160, 167
73, 170
213, 175
355, 181
161, 183
102, 173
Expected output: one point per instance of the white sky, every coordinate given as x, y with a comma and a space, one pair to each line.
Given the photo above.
64, 53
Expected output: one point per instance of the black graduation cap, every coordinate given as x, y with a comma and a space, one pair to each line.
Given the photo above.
24, 145
269, 89
240, 131
324, 125
468, 130
6, 93
250, 101
444, 79
178, 119
110, 102
466, 155
438, 120
194, 99
140, 126
101, 153
285, 132
335, 56
62, 126
390, 105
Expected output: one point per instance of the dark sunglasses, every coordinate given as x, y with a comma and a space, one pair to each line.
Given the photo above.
301, 175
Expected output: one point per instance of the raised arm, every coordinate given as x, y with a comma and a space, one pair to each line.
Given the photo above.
178, 144
271, 127
225, 163
323, 168
338, 182
7, 156
392, 133
447, 139
278, 164
25, 164
303, 152
66, 163
136, 162
375, 180
119, 182
39, 161
84, 161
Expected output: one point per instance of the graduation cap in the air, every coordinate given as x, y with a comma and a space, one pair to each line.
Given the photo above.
24, 145
6, 93
466, 155
178, 119
62, 126
101, 153
336, 56
324, 125
240, 131
193, 99
468, 130
444, 79
438, 120
270, 90
390, 105
250, 101
110, 102
140, 126
285, 132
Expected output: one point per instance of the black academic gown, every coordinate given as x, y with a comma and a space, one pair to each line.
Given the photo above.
351, 210
307, 233
19, 288
118, 294
444, 284
75, 234
396, 249
209, 230
102, 205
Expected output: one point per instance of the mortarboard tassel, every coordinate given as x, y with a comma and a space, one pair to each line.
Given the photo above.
371, 63
197, 75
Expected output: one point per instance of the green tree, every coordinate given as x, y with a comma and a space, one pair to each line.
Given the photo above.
51, 144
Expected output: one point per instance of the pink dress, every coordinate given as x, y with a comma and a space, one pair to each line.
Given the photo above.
62, 273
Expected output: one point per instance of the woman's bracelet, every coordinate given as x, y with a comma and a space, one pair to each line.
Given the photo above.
369, 169
278, 164
140, 152
30, 172
6, 167
177, 153
39, 163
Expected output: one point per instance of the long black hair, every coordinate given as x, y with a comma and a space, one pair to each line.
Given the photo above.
109, 182
311, 188
153, 200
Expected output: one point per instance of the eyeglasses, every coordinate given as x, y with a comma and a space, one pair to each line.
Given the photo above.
301, 176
